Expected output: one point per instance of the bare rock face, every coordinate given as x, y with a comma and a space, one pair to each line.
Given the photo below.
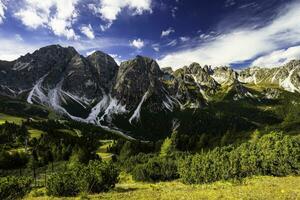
286, 77
105, 68
28, 69
95, 89
224, 75
80, 79
136, 79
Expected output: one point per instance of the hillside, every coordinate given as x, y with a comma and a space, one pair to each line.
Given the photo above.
74, 126
145, 102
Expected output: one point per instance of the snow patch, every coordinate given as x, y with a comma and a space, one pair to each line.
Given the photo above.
287, 83
219, 79
137, 112
75, 98
96, 110
37, 91
200, 88
114, 107
274, 77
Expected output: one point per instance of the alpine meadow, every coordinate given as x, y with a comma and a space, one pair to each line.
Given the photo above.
149, 99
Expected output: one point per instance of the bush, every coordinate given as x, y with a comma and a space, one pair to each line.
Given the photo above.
273, 154
130, 163
98, 177
63, 184
95, 177
14, 187
13, 160
156, 169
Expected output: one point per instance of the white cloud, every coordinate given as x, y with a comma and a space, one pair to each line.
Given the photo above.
172, 43
57, 15
204, 36
2, 11
18, 37
230, 3
110, 9
167, 32
155, 47
173, 11
278, 58
137, 43
8, 50
184, 39
117, 58
106, 26
88, 31
243, 43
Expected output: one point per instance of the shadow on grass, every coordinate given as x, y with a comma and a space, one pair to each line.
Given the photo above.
124, 190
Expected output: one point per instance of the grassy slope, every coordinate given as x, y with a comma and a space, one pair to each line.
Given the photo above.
251, 188
102, 151
10, 118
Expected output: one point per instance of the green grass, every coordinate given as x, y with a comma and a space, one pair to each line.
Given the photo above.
102, 150
11, 119
251, 188
68, 131
35, 133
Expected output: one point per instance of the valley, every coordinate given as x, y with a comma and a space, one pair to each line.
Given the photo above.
86, 127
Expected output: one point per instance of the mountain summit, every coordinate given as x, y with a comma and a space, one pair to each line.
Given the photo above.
95, 89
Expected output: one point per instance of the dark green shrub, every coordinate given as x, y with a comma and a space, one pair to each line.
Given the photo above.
12, 188
97, 177
130, 163
13, 160
63, 184
156, 169
272, 154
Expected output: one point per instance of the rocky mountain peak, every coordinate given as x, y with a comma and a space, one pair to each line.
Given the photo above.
135, 78
105, 67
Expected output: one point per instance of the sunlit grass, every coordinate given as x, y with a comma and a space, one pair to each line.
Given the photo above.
11, 119
251, 188
102, 150
35, 133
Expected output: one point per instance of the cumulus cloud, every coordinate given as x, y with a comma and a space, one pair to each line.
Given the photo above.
278, 58
138, 43
88, 31
8, 50
57, 15
2, 11
167, 32
110, 9
242, 44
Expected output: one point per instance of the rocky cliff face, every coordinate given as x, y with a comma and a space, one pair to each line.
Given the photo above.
95, 89
139, 80
286, 77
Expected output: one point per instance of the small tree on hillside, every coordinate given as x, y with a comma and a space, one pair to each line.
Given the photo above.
167, 147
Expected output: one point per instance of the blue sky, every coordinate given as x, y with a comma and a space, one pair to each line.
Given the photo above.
174, 32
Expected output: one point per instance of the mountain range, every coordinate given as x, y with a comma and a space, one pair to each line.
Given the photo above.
140, 99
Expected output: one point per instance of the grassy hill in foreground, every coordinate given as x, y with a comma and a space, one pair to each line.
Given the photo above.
262, 187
